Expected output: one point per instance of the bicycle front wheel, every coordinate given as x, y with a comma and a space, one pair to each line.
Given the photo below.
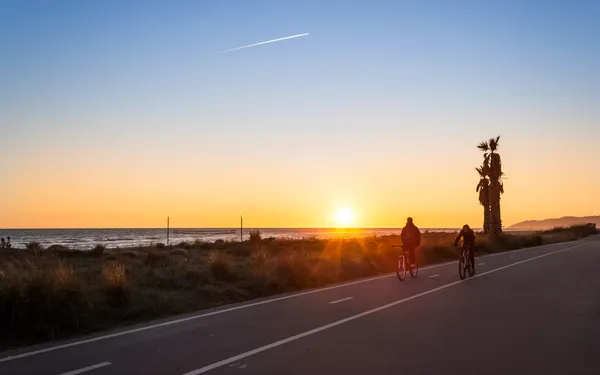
401, 268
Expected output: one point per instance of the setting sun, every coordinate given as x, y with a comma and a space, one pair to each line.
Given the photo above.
344, 217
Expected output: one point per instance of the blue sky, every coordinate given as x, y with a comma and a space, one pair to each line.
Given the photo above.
373, 82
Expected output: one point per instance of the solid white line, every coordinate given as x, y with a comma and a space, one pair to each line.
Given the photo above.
520, 250
235, 308
203, 315
89, 368
357, 316
433, 276
340, 300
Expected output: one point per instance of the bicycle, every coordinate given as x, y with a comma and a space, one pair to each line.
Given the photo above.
465, 264
404, 266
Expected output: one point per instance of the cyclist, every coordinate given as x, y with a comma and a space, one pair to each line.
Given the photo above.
468, 237
411, 239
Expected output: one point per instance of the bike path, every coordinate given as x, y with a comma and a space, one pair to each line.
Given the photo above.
186, 346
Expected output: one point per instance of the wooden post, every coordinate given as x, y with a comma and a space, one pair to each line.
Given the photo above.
241, 228
167, 231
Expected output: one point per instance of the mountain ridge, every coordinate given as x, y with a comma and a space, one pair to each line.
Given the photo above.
565, 221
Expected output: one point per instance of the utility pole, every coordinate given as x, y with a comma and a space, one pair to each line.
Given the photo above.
241, 228
167, 231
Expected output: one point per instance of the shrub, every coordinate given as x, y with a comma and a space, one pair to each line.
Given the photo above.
98, 249
115, 280
57, 248
179, 252
220, 267
41, 303
255, 236
241, 251
154, 258
33, 245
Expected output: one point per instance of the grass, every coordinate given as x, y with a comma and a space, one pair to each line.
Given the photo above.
53, 293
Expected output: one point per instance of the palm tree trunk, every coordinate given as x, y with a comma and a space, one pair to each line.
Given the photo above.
498, 217
495, 220
486, 219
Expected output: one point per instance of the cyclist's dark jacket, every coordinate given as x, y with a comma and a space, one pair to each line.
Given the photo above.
411, 236
467, 236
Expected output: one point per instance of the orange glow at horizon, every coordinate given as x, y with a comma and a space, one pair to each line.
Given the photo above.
52, 189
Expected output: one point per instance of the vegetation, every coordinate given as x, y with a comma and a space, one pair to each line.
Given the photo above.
491, 171
59, 292
483, 188
255, 236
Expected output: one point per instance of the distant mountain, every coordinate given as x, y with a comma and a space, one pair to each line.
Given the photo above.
566, 221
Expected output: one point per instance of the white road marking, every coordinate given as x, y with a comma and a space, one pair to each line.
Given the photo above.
481, 264
85, 369
230, 309
520, 250
202, 315
341, 300
358, 316
433, 276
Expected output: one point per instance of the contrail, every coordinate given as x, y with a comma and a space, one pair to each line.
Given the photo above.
268, 41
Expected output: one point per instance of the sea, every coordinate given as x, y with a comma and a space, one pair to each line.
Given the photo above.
84, 239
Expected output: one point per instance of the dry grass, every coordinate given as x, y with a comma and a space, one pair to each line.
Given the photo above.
58, 292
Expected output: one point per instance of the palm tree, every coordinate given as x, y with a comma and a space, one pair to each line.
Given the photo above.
496, 188
483, 188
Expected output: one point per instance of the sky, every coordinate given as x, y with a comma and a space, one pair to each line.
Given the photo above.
121, 113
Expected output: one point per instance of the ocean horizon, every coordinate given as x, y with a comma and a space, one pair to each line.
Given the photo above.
87, 238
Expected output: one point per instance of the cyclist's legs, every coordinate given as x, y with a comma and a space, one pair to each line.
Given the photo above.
471, 255
411, 255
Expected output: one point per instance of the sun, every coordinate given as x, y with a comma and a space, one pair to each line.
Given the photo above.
344, 217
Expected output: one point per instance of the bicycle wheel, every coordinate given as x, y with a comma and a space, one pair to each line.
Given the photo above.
401, 268
471, 266
414, 271
462, 267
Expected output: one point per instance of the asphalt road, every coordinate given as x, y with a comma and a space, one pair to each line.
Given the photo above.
532, 311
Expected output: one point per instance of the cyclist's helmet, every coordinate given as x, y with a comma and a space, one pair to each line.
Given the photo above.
466, 227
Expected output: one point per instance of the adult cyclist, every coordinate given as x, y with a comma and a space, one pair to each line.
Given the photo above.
411, 239
468, 237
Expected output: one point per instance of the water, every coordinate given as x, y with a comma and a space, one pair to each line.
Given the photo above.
119, 238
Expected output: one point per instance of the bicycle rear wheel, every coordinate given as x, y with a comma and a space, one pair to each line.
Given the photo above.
471, 266
414, 271
401, 268
462, 267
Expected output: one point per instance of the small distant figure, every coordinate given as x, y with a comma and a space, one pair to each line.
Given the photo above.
468, 237
8, 244
2, 243
411, 239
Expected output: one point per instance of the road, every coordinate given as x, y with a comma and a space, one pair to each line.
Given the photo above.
532, 311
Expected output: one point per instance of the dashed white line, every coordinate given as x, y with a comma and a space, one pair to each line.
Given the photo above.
203, 315
85, 369
433, 276
481, 264
230, 309
358, 316
341, 300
